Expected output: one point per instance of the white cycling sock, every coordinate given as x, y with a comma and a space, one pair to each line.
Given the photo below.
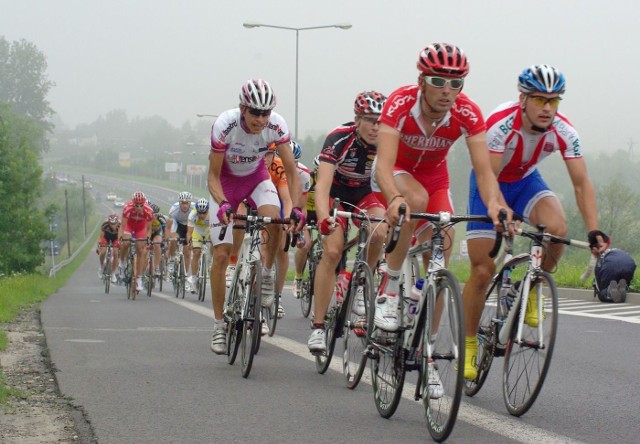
392, 286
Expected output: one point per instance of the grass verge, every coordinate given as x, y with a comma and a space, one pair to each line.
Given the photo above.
23, 291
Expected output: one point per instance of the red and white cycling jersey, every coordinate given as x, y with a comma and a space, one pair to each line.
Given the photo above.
137, 218
417, 151
524, 151
244, 152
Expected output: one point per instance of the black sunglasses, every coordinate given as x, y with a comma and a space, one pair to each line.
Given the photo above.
259, 112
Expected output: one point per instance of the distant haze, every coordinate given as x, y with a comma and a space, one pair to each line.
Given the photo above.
179, 58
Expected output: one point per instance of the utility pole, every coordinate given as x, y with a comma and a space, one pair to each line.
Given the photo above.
66, 208
84, 208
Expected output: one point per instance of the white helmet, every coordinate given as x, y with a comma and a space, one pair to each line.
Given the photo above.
185, 196
257, 94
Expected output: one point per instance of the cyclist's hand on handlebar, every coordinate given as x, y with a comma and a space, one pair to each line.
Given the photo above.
326, 226
298, 217
393, 214
502, 217
224, 212
598, 241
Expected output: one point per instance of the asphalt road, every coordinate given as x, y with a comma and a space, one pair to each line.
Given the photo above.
143, 372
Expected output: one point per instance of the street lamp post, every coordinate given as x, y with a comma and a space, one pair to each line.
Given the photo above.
297, 30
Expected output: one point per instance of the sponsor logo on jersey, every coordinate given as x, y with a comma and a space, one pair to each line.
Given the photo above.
228, 129
507, 126
242, 159
275, 127
398, 102
465, 111
422, 142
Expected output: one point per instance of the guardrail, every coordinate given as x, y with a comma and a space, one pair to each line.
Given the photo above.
64, 263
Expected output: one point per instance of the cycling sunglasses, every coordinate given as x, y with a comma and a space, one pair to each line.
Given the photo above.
541, 101
440, 82
259, 112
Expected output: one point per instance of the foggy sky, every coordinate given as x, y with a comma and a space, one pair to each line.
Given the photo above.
178, 58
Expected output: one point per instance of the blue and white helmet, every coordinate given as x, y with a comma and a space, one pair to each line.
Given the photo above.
202, 205
296, 149
541, 78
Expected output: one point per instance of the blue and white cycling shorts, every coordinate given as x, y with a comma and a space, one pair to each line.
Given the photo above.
521, 196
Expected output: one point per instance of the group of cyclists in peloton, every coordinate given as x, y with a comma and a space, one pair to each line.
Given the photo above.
187, 223
392, 155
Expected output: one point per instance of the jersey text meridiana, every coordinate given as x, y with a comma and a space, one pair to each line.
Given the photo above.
523, 151
244, 152
416, 150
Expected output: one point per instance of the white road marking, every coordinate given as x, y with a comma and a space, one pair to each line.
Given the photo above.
478, 417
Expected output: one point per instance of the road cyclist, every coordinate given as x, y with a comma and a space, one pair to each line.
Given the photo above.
136, 223
346, 160
198, 237
418, 126
109, 235
240, 140
521, 134
176, 229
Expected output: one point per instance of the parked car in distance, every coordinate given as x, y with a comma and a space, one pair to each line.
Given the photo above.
111, 195
118, 203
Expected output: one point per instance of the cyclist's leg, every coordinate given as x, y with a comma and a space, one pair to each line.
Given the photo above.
157, 250
377, 231
386, 307
299, 258
324, 284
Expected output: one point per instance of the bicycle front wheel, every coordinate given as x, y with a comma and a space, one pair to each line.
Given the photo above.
202, 277
442, 360
306, 294
149, 277
182, 277
526, 362
354, 357
234, 304
106, 273
323, 359
270, 314
251, 318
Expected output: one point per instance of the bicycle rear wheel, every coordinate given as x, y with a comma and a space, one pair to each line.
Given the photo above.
442, 360
526, 363
387, 373
251, 318
354, 358
487, 338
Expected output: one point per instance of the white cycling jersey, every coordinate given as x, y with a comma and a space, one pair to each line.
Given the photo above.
305, 177
244, 152
179, 216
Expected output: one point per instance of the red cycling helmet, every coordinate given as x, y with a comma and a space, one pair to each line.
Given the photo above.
369, 102
113, 218
138, 197
443, 59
